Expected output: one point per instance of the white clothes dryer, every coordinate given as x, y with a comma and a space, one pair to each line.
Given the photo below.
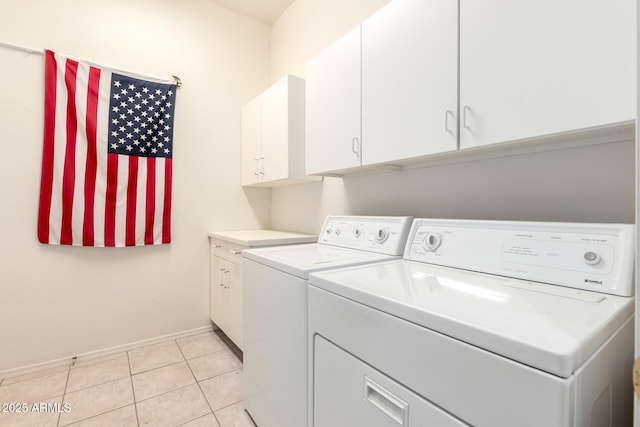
494, 324
275, 309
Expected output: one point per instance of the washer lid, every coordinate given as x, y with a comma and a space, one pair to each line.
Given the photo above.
552, 328
300, 260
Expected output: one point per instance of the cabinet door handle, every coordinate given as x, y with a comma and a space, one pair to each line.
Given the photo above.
213, 245
223, 271
446, 121
355, 145
235, 252
465, 109
261, 165
255, 167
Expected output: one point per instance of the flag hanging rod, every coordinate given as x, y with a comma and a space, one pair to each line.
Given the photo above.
22, 48
41, 52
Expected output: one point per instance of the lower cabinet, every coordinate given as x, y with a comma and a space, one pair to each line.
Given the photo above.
225, 283
225, 273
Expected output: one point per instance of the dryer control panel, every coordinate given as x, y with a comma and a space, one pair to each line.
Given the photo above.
379, 234
595, 257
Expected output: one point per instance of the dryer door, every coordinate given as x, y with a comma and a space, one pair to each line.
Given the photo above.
348, 392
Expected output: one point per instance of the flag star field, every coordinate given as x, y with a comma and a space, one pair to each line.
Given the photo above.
140, 117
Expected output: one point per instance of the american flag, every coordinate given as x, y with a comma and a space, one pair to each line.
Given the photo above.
107, 157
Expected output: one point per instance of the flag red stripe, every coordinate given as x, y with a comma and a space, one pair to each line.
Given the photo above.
46, 182
151, 200
111, 201
166, 215
69, 173
92, 156
132, 186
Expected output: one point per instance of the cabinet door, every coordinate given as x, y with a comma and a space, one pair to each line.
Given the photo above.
274, 159
333, 107
250, 141
409, 80
235, 328
219, 276
536, 67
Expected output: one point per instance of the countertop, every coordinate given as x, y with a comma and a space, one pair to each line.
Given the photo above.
255, 238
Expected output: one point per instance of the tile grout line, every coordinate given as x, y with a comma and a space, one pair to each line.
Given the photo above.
35, 377
95, 415
198, 384
165, 393
98, 384
133, 390
161, 366
190, 421
64, 394
230, 404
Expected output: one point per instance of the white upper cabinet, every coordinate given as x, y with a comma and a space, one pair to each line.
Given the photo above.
273, 135
422, 77
530, 68
251, 141
409, 80
333, 107
276, 128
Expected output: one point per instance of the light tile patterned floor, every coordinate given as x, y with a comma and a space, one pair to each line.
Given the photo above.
194, 381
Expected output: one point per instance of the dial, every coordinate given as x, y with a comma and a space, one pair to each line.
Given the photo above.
382, 235
432, 241
357, 232
338, 231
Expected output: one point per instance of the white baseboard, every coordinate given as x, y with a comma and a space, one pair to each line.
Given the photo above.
67, 361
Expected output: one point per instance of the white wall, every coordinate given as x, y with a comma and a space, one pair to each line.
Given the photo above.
57, 302
593, 183
308, 26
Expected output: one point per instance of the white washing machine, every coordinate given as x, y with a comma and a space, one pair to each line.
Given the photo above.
275, 309
495, 324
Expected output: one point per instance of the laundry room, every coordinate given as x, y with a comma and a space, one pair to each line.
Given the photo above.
397, 129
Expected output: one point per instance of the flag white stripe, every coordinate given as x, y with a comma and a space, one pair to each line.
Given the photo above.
159, 202
121, 200
77, 214
60, 140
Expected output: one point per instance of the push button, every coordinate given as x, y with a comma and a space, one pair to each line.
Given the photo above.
591, 258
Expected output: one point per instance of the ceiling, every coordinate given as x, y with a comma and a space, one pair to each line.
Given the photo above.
264, 10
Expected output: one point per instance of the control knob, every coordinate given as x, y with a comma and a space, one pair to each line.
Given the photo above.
382, 235
357, 232
432, 242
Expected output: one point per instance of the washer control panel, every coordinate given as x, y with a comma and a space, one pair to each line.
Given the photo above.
387, 235
596, 257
